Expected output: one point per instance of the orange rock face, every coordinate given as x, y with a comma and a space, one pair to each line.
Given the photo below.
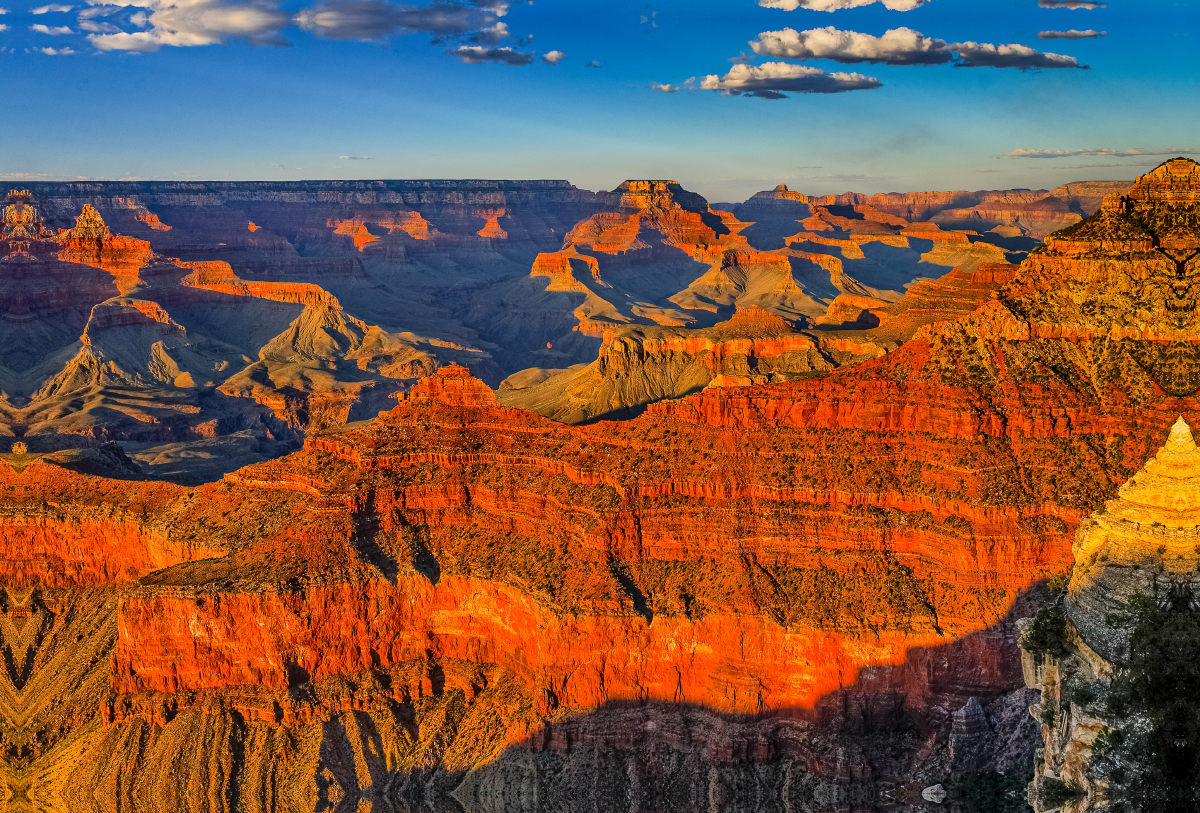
356, 230
219, 277
457, 584
91, 243
492, 229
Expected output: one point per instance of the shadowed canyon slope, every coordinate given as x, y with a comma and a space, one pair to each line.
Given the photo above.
206, 325
802, 591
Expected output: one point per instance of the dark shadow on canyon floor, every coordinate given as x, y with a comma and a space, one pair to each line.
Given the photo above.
955, 715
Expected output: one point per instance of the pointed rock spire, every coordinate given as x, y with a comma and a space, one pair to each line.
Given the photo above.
1166, 492
1148, 537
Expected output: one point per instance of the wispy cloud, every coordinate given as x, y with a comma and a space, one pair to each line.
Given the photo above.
492, 35
97, 27
661, 88
354, 158
1073, 4
772, 80
553, 57
899, 46
53, 8
475, 55
595, 63
851, 178
57, 51
838, 5
1021, 57
375, 19
1022, 152
51, 30
1070, 35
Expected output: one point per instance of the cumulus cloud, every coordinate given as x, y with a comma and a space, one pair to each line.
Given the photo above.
3, 27
1070, 35
1021, 57
1077, 4
1022, 152
57, 51
772, 79
184, 23
376, 19
553, 57
664, 88
899, 46
475, 55
838, 5
492, 35
53, 31
53, 8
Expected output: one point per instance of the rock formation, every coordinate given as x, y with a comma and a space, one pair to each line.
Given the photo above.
1145, 543
803, 591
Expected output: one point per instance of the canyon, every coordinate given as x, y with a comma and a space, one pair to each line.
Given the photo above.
197, 322
555, 500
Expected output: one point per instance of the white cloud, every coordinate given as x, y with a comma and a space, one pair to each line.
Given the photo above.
664, 88
197, 22
1106, 151
1021, 57
3, 11
553, 57
53, 31
772, 79
497, 7
53, 8
475, 55
1073, 4
354, 158
98, 27
56, 51
1071, 35
3, 27
595, 63
901, 46
492, 35
898, 46
838, 5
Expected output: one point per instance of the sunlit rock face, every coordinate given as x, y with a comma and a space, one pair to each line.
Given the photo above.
1145, 540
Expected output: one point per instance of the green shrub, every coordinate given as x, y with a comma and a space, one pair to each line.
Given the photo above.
1083, 695
1056, 793
1047, 635
1150, 757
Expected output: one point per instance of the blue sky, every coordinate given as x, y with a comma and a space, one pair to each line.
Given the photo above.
218, 89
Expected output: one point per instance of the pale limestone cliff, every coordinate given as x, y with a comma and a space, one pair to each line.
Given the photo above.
1144, 542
